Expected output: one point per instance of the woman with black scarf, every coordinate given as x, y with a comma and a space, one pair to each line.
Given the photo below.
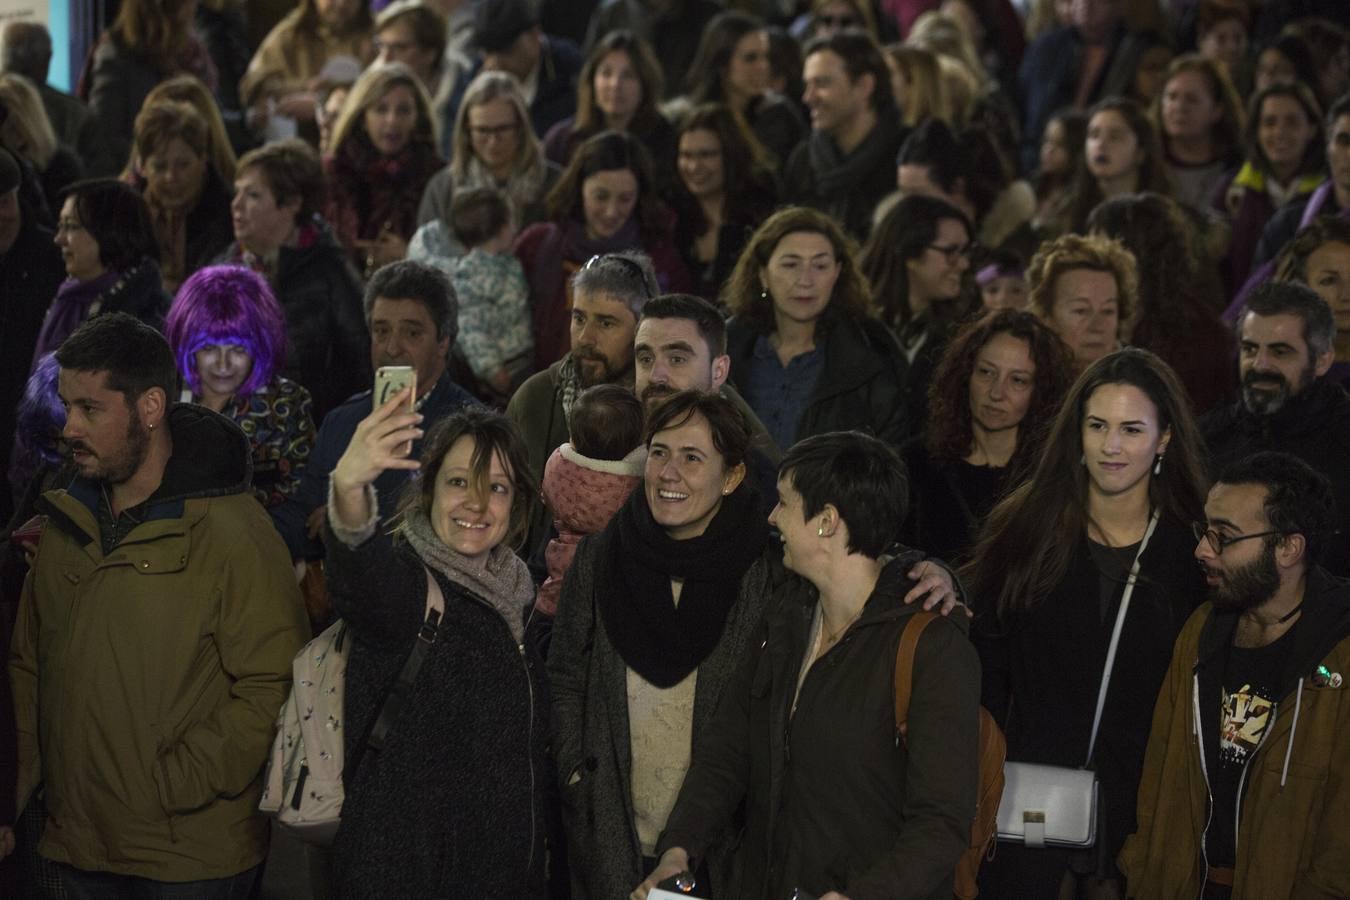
655, 614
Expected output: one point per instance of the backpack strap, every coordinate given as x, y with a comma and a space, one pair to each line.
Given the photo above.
397, 696
904, 667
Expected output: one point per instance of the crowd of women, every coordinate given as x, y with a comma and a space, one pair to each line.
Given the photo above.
1003, 370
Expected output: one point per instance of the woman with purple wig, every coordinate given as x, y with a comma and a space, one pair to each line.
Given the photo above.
228, 334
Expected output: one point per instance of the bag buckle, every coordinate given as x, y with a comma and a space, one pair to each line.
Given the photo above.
1033, 828
430, 626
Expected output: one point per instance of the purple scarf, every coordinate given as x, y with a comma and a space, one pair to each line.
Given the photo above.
74, 302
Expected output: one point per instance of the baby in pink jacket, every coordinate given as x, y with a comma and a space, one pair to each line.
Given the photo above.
587, 479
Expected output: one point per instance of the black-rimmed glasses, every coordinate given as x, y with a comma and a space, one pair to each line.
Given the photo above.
1218, 542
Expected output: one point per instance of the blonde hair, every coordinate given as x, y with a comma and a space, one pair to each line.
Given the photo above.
962, 88
1074, 251
370, 88
485, 88
927, 88
190, 90
27, 132
942, 35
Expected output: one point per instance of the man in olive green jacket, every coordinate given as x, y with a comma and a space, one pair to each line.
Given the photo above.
155, 633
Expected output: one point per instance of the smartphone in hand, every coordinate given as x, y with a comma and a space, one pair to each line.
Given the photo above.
389, 380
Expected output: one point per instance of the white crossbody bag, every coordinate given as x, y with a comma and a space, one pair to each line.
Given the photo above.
1056, 806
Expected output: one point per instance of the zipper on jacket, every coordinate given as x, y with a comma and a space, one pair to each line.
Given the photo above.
1242, 780
529, 728
1209, 792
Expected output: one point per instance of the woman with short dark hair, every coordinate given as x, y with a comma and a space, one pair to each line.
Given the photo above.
111, 258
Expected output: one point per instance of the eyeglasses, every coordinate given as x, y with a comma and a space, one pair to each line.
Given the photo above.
484, 132
1218, 542
953, 252
630, 268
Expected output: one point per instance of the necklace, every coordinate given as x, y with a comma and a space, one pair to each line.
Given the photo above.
1280, 621
828, 640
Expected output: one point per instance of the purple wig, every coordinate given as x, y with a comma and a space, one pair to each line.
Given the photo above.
39, 419
227, 305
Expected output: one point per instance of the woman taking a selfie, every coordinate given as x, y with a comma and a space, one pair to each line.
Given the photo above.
451, 805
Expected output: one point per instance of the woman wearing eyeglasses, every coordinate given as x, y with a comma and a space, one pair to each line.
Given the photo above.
605, 202
916, 261
806, 351
493, 146
1120, 477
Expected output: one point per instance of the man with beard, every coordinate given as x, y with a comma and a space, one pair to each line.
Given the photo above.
1244, 793
608, 294
1286, 345
155, 635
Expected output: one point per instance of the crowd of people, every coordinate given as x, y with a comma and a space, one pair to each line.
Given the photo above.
733, 341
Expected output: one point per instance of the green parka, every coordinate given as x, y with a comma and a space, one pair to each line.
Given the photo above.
147, 680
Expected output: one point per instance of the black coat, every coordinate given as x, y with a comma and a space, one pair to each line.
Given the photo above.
1314, 426
948, 501
30, 273
450, 807
327, 343
833, 801
863, 383
1043, 669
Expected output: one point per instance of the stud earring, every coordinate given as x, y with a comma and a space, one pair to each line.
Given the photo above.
820, 532
1157, 464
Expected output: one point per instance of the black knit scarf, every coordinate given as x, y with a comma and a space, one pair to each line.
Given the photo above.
661, 642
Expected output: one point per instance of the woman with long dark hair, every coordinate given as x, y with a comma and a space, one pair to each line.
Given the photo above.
732, 67
619, 89
1119, 479
724, 190
605, 202
994, 391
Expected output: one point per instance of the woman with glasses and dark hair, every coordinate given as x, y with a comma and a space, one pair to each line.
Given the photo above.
619, 89
112, 260
806, 351
994, 391
835, 804
605, 202
916, 261
1118, 480
726, 187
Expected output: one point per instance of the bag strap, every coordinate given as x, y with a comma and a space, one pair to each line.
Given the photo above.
1115, 636
397, 696
904, 667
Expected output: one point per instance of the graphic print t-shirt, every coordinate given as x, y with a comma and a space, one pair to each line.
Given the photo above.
1248, 700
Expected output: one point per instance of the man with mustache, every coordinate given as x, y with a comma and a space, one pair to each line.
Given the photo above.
1244, 793
155, 635
1286, 337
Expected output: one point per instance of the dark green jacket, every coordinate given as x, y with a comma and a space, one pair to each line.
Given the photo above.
833, 800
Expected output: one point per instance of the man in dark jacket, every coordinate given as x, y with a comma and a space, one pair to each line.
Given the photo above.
414, 319
155, 634
1243, 792
508, 35
1286, 345
30, 272
1077, 65
847, 163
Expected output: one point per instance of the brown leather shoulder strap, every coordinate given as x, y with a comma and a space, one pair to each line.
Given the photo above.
904, 666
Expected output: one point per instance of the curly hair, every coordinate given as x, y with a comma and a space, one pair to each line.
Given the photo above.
1073, 251
950, 432
745, 293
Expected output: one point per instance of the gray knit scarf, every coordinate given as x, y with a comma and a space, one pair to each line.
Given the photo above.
504, 582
